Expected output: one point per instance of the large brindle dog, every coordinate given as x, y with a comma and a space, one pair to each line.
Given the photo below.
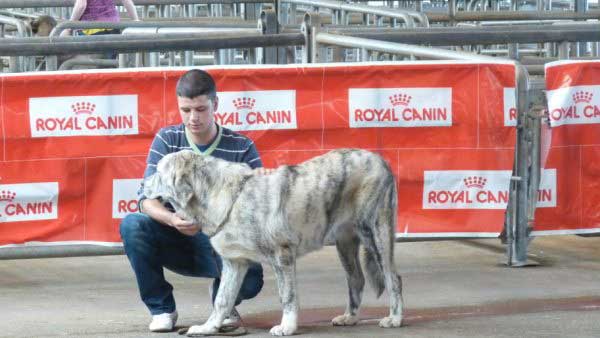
346, 195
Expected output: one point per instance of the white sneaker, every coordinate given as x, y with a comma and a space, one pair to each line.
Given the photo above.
234, 319
164, 322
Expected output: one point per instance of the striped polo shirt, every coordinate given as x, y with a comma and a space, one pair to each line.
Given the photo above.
232, 147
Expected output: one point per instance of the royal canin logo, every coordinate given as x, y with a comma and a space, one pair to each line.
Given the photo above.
582, 97
574, 105
257, 110
399, 107
28, 201
479, 189
83, 116
400, 99
83, 108
244, 103
475, 182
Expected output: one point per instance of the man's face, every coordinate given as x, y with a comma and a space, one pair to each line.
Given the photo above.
198, 113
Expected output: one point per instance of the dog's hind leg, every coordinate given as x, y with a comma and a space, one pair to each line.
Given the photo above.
347, 244
232, 277
383, 232
284, 265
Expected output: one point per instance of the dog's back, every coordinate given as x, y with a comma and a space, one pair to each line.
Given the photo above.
345, 187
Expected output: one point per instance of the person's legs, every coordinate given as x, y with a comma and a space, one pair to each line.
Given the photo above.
150, 246
142, 237
251, 286
203, 261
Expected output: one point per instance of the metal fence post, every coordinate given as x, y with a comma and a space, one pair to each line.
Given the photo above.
51, 62
269, 26
305, 30
520, 228
563, 50
537, 98
311, 25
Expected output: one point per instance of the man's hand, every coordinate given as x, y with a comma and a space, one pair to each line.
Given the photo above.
264, 171
185, 227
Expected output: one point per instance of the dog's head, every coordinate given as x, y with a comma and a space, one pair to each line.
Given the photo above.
200, 188
172, 181
42, 25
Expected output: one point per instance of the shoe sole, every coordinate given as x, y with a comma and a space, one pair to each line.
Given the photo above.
227, 330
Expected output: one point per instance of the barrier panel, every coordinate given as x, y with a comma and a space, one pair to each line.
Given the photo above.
573, 93
75, 143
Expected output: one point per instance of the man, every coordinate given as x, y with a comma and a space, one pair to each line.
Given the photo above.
157, 237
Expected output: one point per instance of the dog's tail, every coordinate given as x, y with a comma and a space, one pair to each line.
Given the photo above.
378, 238
374, 272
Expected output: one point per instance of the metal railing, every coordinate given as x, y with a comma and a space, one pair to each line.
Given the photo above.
340, 11
512, 15
16, 63
388, 40
137, 43
205, 22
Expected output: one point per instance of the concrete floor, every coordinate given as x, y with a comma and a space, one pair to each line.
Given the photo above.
451, 289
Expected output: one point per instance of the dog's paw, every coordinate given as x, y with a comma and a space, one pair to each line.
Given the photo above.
345, 320
281, 330
390, 322
203, 329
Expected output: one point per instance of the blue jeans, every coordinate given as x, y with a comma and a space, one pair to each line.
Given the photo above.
150, 246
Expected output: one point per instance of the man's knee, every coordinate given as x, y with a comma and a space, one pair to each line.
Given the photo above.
134, 226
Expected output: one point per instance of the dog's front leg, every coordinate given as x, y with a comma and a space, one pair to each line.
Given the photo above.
232, 277
284, 266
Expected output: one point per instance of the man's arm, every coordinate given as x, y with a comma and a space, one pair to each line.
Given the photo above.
130, 7
153, 207
251, 157
158, 212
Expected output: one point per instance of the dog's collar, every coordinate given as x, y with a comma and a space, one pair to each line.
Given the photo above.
210, 149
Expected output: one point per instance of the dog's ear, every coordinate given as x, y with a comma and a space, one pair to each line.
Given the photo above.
151, 186
182, 175
223, 186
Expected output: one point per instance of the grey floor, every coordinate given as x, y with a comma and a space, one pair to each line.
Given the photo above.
451, 289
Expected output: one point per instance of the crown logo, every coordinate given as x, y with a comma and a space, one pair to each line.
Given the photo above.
400, 99
582, 97
475, 182
7, 195
83, 107
244, 103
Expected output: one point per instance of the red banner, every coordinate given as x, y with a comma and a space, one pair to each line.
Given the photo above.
573, 92
76, 143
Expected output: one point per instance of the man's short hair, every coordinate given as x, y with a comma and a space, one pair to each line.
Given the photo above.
194, 83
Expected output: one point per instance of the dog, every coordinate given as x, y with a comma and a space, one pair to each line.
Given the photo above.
42, 25
346, 195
